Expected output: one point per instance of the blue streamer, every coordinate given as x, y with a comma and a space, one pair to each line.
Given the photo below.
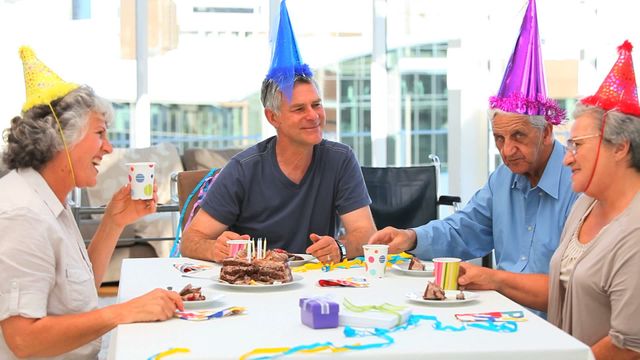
175, 249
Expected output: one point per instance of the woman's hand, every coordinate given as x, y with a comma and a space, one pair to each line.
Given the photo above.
156, 305
122, 210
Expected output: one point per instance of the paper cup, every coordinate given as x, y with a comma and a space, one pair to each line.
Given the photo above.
446, 272
375, 260
237, 245
141, 177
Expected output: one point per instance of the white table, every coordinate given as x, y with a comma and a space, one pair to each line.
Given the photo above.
273, 320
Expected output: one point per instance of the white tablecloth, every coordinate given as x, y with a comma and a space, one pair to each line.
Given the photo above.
273, 320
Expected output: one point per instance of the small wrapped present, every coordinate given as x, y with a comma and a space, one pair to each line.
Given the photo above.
319, 312
383, 316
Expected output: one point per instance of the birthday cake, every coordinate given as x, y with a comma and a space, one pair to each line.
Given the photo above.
272, 269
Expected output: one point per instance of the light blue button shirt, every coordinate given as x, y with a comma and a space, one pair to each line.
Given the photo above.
521, 223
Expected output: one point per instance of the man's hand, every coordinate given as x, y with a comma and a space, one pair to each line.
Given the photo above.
476, 277
220, 246
397, 239
324, 248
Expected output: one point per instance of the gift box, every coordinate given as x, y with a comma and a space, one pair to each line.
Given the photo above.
385, 319
319, 313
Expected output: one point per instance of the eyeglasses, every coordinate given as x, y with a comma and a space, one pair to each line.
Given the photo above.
571, 143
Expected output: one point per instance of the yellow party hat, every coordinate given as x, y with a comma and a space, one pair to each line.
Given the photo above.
41, 83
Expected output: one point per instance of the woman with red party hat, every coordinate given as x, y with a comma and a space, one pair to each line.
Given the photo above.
592, 291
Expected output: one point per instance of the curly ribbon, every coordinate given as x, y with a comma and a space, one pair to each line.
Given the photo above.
347, 264
386, 308
349, 332
167, 353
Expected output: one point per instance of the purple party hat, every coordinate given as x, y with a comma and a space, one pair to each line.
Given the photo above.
523, 89
286, 62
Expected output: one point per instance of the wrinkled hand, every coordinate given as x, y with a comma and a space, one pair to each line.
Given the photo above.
221, 248
324, 248
157, 305
476, 277
122, 210
397, 239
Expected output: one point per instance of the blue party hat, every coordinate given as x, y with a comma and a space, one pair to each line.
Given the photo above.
286, 62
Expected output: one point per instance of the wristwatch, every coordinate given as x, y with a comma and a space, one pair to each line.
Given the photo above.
343, 250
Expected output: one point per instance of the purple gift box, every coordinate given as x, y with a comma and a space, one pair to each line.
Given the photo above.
319, 313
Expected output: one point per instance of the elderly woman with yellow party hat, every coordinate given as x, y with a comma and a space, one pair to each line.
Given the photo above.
592, 290
48, 296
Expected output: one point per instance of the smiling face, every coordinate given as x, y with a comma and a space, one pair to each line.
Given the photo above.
87, 153
301, 121
524, 148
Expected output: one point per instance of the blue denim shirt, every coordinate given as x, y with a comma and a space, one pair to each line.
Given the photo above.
521, 223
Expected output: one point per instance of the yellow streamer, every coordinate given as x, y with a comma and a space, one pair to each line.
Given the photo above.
170, 352
280, 350
347, 264
64, 142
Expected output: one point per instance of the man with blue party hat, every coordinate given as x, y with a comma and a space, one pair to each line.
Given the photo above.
290, 188
521, 210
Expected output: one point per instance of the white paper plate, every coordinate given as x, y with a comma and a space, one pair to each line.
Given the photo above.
404, 269
305, 259
450, 300
296, 279
210, 298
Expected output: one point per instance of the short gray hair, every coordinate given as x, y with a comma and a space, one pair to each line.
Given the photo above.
620, 127
270, 94
34, 138
537, 121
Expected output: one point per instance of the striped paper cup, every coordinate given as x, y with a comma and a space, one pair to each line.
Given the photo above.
446, 272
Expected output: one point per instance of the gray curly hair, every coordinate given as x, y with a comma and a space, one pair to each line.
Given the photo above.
620, 127
34, 138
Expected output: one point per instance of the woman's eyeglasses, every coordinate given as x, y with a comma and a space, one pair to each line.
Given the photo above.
571, 142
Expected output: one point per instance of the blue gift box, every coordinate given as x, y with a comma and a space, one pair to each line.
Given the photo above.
319, 313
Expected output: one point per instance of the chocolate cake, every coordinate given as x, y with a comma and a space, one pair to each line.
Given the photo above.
416, 264
433, 292
190, 293
273, 268
460, 295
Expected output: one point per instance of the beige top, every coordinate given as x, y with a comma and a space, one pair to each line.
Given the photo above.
43, 260
602, 296
573, 252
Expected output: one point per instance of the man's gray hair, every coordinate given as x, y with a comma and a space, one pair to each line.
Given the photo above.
270, 94
620, 127
537, 121
34, 138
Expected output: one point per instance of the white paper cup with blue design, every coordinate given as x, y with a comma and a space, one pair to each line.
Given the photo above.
375, 260
141, 178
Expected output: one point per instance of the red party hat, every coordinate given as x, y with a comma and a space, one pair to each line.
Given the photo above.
618, 90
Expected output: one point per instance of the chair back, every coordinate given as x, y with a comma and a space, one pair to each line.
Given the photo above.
187, 181
402, 197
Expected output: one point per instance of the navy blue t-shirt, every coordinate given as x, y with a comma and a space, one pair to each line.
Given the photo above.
253, 196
